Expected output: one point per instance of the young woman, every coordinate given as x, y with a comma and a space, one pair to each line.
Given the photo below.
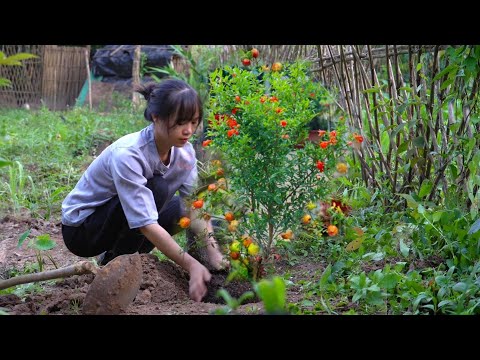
125, 201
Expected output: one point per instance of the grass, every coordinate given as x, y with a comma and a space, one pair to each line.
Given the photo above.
389, 273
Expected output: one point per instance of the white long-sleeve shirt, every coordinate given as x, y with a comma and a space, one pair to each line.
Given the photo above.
123, 169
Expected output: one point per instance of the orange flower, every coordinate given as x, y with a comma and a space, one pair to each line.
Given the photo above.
332, 230
207, 142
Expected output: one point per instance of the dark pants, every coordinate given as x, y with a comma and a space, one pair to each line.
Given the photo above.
107, 228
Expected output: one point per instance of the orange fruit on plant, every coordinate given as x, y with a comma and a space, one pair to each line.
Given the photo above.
212, 187
277, 66
234, 255
184, 222
255, 53
229, 216
247, 242
233, 226
332, 230
197, 204
306, 219
342, 168
287, 235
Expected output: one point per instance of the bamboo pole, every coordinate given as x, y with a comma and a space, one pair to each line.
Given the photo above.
89, 78
136, 74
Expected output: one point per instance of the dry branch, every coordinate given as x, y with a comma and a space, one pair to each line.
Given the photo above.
80, 268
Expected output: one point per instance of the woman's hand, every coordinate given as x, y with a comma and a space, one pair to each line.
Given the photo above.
215, 257
199, 276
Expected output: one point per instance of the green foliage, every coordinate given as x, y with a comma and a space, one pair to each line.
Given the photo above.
41, 244
39, 183
197, 63
257, 118
231, 303
13, 60
272, 293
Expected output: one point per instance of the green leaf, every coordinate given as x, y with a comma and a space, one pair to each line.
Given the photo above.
436, 216
402, 147
419, 141
43, 242
446, 83
5, 82
475, 227
398, 129
449, 68
4, 162
460, 287
411, 203
272, 293
23, 237
404, 249
326, 274
307, 303
421, 209
389, 281
425, 188
17, 58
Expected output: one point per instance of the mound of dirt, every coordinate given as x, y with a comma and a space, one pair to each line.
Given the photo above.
163, 291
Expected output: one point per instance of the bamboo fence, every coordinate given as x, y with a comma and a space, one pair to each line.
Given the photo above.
53, 79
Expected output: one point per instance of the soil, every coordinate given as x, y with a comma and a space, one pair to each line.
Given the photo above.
163, 289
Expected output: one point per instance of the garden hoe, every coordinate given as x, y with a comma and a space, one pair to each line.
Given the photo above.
114, 287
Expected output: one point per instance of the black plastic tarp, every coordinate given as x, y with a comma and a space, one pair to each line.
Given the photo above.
117, 60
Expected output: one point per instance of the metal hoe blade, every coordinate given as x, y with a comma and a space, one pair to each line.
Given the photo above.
115, 286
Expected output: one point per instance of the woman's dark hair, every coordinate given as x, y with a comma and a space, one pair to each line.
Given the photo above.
171, 98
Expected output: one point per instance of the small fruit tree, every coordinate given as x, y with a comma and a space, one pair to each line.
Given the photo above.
258, 116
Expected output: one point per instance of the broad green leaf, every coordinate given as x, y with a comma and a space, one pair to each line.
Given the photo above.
402, 147
389, 281
436, 216
425, 188
272, 293
43, 242
404, 249
446, 83
4, 162
411, 203
449, 68
421, 209
307, 303
460, 287
398, 129
23, 237
419, 141
475, 227
354, 245
326, 274
385, 141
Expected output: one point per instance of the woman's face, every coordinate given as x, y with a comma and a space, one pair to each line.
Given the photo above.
178, 135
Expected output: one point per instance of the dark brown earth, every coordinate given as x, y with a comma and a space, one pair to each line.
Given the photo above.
163, 289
